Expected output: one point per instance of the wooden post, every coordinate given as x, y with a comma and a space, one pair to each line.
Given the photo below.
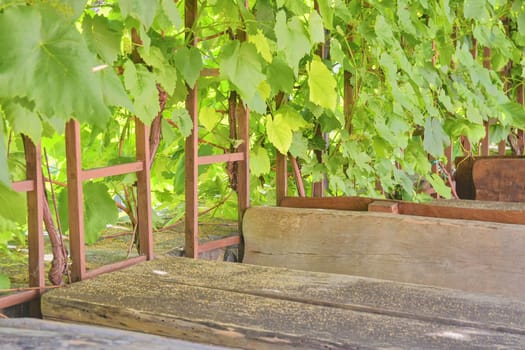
281, 177
191, 246
35, 204
485, 143
144, 221
75, 200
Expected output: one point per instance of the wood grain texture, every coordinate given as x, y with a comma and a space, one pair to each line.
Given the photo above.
499, 179
30, 333
257, 307
467, 255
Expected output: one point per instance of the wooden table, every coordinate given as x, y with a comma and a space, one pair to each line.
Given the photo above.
255, 307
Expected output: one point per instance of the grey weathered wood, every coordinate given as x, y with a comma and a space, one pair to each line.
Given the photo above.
257, 307
30, 333
467, 255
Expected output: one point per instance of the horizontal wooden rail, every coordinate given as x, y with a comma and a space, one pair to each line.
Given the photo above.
210, 72
221, 158
18, 298
113, 170
219, 243
507, 213
23, 186
115, 266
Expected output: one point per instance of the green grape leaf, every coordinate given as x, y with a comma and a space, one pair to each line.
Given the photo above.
327, 13
292, 39
279, 133
141, 85
262, 44
259, 161
299, 146
100, 210
24, 121
439, 185
113, 90
280, 76
515, 113
189, 63
322, 85
5, 283
102, 36
209, 117
172, 12
291, 118
316, 28
12, 204
166, 75
47, 60
183, 120
240, 64
475, 9
435, 139
144, 11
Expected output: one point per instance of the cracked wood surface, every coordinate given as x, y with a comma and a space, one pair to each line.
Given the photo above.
258, 307
471, 256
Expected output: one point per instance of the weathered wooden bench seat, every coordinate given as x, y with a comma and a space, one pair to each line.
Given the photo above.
257, 307
472, 256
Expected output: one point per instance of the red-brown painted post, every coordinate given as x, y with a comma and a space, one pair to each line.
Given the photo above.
35, 205
144, 215
485, 143
191, 246
75, 200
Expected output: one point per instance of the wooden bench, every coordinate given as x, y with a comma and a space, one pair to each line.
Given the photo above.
257, 307
471, 256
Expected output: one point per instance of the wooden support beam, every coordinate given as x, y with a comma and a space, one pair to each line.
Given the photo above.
144, 214
113, 170
191, 245
75, 200
281, 177
35, 218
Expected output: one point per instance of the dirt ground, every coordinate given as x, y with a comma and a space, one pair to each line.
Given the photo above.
114, 245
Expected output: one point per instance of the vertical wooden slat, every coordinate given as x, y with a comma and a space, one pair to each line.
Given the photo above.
144, 215
35, 204
75, 200
520, 99
281, 177
485, 143
191, 246
243, 169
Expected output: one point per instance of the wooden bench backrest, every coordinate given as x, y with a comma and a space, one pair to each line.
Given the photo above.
467, 255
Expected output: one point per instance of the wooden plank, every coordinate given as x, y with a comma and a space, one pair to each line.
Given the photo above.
220, 158
113, 170
508, 213
219, 243
75, 200
30, 333
18, 298
469, 255
341, 203
115, 266
499, 179
254, 307
144, 210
